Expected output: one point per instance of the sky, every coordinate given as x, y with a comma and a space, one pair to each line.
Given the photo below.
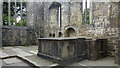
88, 4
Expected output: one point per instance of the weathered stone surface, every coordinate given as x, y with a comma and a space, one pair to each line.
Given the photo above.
97, 48
0, 23
76, 13
12, 60
105, 22
71, 17
35, 17
68, 50
21, 52
63, 50
2, 54
117, 59
18, 36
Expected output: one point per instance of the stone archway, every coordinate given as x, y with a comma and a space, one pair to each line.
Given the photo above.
70, 32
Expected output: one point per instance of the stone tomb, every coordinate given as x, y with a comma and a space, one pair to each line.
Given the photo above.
97, 48
69, 50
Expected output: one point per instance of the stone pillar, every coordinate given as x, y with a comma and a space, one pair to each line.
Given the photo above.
117, 49
118, 53
86, 12
91, 12
1, 23
76, 13
30, 15
35, 17
119, 35
9, 12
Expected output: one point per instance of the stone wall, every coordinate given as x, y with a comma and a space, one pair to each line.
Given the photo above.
35, 17
0, 24
105, 23
71, 17
18, 36
119, 36
118, 47
13, 35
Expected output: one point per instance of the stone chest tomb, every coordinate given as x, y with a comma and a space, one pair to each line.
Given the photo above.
69, 50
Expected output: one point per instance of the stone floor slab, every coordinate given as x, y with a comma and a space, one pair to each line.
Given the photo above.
11, 60
107, 61
8, 47
34, 52
2, 55
21, 52
30, 53
27, 48
39, 61
10, 52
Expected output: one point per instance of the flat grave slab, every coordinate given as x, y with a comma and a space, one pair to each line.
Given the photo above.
2, 54
21, 52
11, 60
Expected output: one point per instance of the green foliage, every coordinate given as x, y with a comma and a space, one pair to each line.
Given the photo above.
23, 22
18, 24
12, 20
88, 15
5, 19
12, 13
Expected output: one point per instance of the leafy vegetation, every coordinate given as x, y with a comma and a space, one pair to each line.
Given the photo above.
88, 15
12, 13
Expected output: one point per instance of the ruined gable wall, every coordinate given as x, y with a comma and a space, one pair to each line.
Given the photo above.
71, 17
105, 22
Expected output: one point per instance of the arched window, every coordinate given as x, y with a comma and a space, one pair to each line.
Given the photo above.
55, 13
86, 11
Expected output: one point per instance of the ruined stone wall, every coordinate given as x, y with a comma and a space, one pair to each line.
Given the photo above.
28, 35
30, 15
18, 36
118, 47
105, 23
0, 23
71, 17
35, 17
119, 36
76, 16
50, 32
